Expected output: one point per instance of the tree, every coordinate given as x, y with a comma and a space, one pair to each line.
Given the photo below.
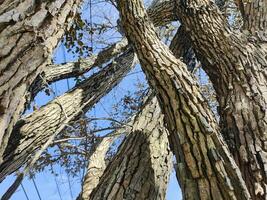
29, 32
95, 168
142, 166
225, 160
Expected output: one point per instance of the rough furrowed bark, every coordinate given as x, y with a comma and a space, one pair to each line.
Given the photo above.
237, 68
95, 168
200, 151
141, 168
182, 49
34, 130
29, 31
254, 15
162, 13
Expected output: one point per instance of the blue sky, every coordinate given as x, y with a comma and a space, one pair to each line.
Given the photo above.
47, 187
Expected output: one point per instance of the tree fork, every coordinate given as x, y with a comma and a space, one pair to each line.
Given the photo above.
194, 134
15, 153
160, 14
236, 65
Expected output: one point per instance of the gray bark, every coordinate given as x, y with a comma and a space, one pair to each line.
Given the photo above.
236, 65
53, 73
29, 31
141, 168
254, 19
160, 14
95, 168
25, 143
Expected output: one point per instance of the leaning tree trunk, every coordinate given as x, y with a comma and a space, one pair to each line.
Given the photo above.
29, 31
141, 168
208, 170
95, 169
236, 65
31, 132
97, 162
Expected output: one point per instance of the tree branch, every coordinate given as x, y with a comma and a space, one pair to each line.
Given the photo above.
161, 14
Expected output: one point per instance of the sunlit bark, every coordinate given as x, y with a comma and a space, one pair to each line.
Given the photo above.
95, 168
29, 31
141, 168
236, 65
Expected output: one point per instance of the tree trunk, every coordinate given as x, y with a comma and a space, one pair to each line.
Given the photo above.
95, 168
237, 69
141, 168
34, 130
254, 19
29, 31
207, 169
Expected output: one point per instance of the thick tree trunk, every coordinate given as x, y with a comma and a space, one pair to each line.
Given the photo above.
29, 31
254, 15
34, 130
207, 169
95, 168
141, 168
237, 69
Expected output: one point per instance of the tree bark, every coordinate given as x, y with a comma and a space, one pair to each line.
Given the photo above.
254, 19
53, 73
182, 49
95, 168
236, 66
34, 130
29, 31
195, 139
141, 168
